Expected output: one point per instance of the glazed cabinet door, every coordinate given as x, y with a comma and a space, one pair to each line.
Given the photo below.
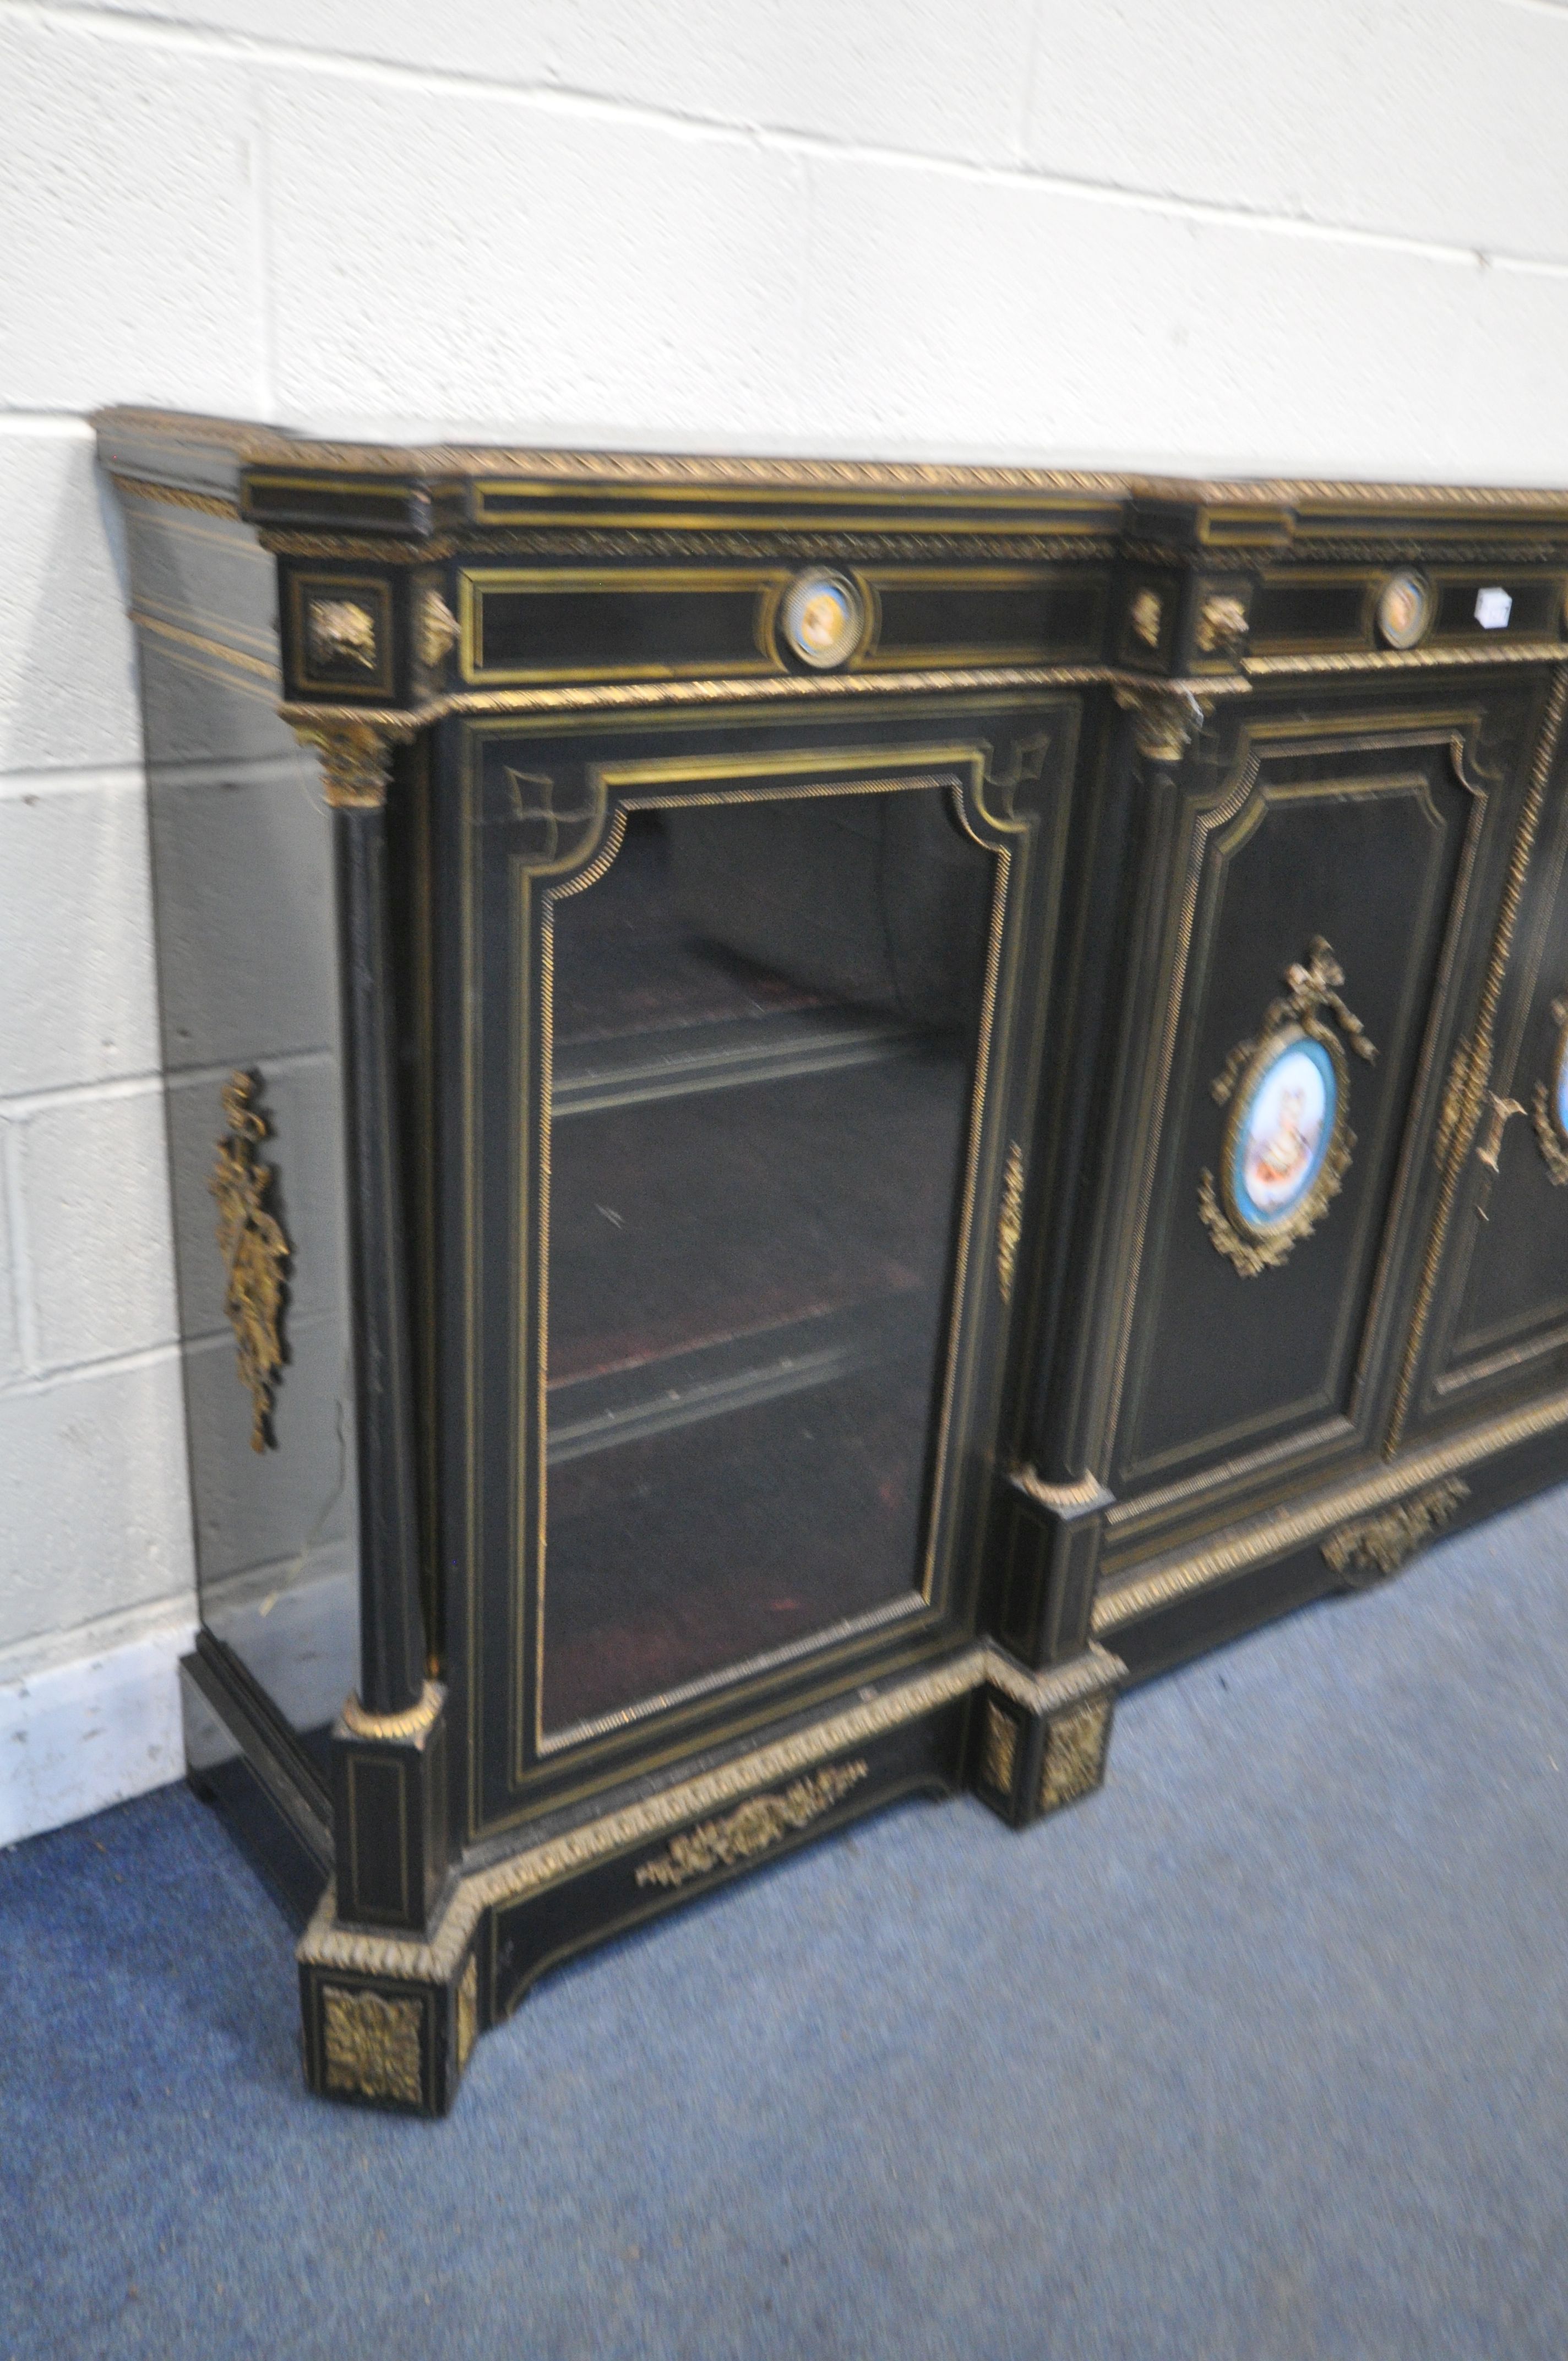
1490, 1324
1317, 885
739, 1038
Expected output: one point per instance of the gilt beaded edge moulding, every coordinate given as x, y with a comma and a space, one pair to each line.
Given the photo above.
877, 1081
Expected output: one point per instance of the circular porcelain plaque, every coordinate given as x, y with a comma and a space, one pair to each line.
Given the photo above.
1284, 1126
1405, 609
822, 619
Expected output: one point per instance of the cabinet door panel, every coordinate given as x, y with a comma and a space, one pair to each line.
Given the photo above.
745, 1041
1315, 904
1498, 1320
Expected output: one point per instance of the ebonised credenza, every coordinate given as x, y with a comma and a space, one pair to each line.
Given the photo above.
816, 1112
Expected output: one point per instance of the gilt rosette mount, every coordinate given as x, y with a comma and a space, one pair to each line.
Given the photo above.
1287, 1143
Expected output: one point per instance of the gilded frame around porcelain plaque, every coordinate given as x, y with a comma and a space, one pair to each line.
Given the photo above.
1293, 1028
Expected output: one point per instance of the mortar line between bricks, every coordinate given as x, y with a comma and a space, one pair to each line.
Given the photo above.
94, 778
77, 1373
20, 1105
255, 51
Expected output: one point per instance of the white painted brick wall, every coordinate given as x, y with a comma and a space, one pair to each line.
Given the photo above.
1238, 232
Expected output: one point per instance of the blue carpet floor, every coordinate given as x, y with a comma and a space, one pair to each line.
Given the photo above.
1261, 2053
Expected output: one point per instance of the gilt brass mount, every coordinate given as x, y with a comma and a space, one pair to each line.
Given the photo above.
1377, 1545
1251, 1242
254, 1250
762, 1822
372, 2044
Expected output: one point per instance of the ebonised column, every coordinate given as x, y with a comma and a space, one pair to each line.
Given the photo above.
389, 1747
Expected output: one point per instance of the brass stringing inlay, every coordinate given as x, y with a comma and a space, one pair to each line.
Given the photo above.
1375, 1545
1075, 1754
999, 1748
1010, 1221
761, 1821
372, 2044
254, 1249
1309, 990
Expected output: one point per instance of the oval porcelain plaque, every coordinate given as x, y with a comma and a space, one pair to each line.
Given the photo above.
822, 619
1284, 1126
1405, 609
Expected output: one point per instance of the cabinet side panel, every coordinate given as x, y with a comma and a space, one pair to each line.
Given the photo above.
242, 885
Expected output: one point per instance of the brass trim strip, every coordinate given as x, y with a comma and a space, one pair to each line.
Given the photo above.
326, 1944
1273, 1535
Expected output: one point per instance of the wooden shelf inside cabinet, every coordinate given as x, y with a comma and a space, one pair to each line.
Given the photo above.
833, 1090
634, 1402
590, 1076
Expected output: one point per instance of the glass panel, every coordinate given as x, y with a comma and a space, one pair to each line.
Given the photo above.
765, 1024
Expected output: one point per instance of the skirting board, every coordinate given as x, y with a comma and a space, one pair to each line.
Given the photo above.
78, 1736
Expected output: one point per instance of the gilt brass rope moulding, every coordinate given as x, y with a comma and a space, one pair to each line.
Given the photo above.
256, 444
1205, 690
326, 1944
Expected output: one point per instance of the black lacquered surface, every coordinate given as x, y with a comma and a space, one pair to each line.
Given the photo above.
765, 1023
242, 881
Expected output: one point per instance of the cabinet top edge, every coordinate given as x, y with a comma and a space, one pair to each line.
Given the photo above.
217, 454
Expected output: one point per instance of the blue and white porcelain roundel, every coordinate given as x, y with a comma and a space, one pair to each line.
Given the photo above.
1283, 1132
